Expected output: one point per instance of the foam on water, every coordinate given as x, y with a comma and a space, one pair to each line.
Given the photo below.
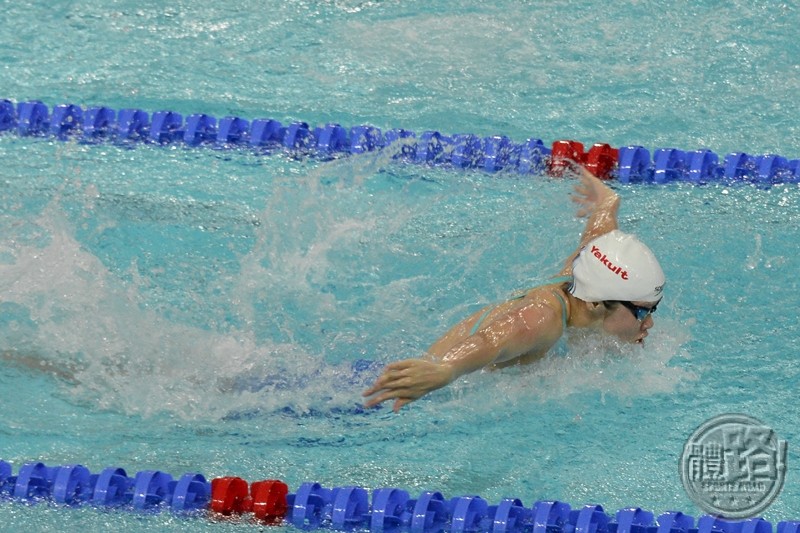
305, 298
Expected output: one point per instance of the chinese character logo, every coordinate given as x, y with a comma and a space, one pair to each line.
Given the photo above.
733, 466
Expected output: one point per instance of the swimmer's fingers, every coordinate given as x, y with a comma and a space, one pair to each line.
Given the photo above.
391, 373
377, 400
585, 190
584, 204
591, 193
377, 386
401, 396
581, 196
398, 395
403, 390
571, 165
392, 389
400, 402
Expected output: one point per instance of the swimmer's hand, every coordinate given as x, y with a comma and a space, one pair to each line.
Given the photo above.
591, 194
408, 380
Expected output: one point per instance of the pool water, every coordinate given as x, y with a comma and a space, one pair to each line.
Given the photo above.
202, 310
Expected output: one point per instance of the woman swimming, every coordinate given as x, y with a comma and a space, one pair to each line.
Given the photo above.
612, 282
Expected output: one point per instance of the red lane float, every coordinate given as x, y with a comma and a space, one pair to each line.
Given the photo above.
266, 499
600, 160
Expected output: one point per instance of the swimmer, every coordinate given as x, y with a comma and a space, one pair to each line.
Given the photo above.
612, 283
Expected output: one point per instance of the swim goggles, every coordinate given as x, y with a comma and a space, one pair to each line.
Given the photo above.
638, 311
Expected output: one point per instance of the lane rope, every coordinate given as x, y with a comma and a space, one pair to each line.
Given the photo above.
493, 154
346, 508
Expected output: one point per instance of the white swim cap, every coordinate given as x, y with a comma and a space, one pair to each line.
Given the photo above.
617, 266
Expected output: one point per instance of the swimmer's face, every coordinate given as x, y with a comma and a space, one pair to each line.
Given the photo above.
621, 321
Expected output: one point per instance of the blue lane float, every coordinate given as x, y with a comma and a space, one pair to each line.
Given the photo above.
346, 508
628, 164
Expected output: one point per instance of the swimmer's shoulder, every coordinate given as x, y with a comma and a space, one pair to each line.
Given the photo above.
558, 283
554, 296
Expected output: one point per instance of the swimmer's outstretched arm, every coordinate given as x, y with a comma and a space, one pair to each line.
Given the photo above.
533, 328
597, 202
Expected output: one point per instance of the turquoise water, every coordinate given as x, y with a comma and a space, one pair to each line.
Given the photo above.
196, 310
